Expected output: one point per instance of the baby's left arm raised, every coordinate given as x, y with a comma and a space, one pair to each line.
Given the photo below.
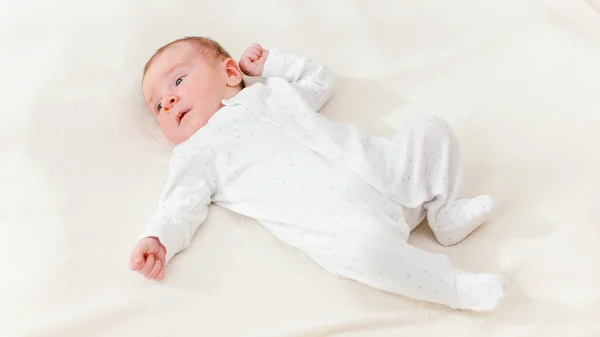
314, 81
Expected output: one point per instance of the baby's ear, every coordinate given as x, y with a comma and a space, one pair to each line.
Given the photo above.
233, 73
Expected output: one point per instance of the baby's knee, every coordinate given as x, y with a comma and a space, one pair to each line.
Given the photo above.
432, 128
432, 123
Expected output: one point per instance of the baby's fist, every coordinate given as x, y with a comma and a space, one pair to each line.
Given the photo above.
253, 60
148, 258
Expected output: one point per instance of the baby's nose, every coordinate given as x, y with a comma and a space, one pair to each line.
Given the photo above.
171, 101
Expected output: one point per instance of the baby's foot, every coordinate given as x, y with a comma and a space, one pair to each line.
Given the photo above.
464, 217
480, 292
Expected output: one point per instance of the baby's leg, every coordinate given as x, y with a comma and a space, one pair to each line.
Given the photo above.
395, 266
430, 181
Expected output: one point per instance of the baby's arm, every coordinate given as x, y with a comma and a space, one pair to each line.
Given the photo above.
314, 81
183, 207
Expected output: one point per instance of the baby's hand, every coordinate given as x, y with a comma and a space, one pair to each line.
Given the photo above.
148, 258
253, 60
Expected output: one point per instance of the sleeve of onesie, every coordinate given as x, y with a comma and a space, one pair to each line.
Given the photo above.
314, 81
183, 204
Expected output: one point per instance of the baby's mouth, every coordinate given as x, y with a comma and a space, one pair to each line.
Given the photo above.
181, 115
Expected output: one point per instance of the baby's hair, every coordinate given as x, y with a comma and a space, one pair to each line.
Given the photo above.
212, 50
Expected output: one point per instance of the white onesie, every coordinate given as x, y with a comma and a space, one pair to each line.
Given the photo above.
348, 200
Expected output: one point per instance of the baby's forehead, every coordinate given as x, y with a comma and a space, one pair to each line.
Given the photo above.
179, 54
167, 58
175, 53
184, 47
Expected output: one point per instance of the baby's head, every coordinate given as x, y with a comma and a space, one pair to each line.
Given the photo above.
185, 82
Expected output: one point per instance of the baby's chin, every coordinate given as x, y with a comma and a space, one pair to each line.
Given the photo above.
179, 135
188, 128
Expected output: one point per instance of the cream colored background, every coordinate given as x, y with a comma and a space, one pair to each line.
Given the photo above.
82, 166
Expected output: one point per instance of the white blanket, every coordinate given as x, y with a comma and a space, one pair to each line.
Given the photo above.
82, 165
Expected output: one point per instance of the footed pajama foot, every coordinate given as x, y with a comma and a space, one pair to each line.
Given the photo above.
480, 292
463, 217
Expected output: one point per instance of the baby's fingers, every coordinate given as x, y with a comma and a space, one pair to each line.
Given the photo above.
251, 55
136, 262
155, 270
148, 265
256, 48
246, 61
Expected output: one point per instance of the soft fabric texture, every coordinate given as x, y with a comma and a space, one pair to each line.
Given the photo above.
83, 166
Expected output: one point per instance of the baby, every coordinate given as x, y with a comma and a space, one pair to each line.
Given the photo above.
347, 200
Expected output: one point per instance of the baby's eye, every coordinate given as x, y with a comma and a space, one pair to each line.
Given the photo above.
158, 107
179, 80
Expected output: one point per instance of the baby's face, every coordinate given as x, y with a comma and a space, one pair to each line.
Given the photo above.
184, 89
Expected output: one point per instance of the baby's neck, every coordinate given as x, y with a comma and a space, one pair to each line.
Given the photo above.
230, 92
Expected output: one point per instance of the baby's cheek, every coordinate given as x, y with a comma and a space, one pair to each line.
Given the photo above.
170, 130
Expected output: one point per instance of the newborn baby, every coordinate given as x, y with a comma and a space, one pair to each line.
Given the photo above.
347, 200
